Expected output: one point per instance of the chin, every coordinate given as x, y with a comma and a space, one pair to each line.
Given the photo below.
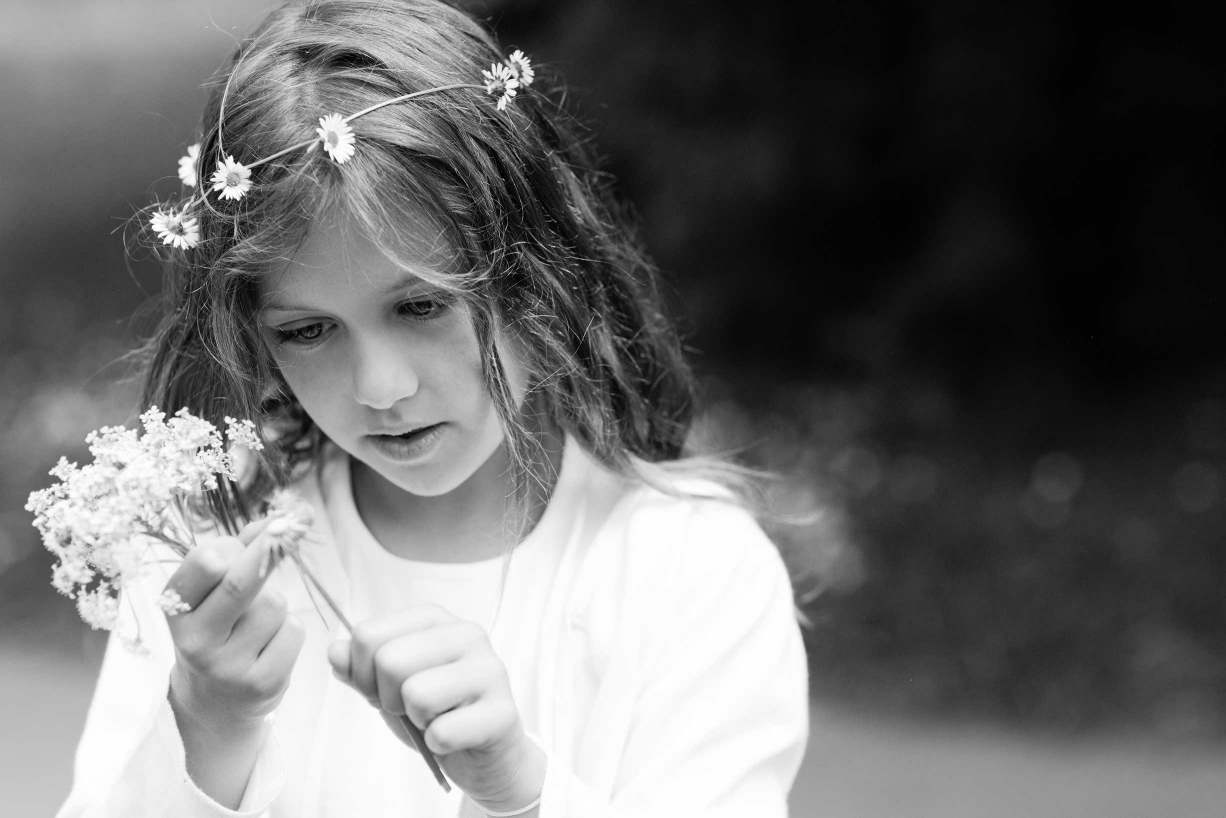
427, 484
446, 473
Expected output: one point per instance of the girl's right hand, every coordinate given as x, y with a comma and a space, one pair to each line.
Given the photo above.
236, 646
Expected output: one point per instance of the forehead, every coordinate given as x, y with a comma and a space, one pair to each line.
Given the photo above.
337, 259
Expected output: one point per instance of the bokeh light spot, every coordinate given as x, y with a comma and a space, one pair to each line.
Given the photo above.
1043, 512
860, 468
1057, 477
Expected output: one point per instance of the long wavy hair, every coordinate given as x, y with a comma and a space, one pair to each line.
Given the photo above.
544, 252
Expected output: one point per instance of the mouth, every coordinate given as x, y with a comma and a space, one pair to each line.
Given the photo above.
416, 429
405, 447
410, 435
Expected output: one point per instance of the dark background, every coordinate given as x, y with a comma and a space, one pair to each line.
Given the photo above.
967, 256
951, 270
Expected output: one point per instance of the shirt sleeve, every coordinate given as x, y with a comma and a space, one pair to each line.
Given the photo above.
130, 761
719, 720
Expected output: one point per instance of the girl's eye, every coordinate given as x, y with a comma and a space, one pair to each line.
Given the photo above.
305, 335
425, 309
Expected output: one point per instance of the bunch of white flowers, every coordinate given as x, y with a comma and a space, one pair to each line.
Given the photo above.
103, 520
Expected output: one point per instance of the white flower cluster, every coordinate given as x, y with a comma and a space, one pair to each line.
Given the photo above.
172, 603
232, 179
101, 520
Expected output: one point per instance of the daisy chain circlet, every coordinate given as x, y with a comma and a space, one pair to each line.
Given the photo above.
232, 178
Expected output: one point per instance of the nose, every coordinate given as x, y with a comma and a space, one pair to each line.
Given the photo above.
383, 373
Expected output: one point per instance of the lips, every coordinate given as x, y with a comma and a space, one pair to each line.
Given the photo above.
403, 431
415, 443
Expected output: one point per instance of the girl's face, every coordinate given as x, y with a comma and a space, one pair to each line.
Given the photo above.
385, 364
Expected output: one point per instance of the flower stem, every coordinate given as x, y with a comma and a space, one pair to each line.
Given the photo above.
405, 97
319, 588
418, 739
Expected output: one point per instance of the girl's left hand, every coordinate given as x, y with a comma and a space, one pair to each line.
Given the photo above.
443, 672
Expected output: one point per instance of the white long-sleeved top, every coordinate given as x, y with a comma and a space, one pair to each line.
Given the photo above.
650, 640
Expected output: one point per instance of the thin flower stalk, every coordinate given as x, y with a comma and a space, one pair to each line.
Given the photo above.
415, 734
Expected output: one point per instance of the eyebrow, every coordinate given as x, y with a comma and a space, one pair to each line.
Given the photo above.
402, 283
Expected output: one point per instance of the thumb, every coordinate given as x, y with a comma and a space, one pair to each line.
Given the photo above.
338, 657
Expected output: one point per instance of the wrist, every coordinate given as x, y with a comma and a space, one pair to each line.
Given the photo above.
214, 726
219, 752
523, 794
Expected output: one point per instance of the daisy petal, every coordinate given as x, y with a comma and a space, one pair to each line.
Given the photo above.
231, 179
521, 67
500, 79
173, 229
337, 137
187, 166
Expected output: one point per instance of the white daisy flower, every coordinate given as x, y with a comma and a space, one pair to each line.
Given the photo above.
187, 166
499, 79
231, 179
496, 76
337, 137
521, 68
172, 228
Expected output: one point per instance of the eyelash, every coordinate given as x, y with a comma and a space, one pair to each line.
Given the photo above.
298, 335
438, 306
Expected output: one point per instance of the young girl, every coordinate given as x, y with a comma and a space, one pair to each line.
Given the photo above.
456, 354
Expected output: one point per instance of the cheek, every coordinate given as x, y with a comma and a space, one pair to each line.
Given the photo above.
456, 353
311, 381
514, 364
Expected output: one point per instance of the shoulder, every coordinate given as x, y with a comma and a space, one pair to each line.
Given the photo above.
684, 580
688, 537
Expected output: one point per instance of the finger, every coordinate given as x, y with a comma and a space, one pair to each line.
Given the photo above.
282, 650
259, 623
474, 726
207, 563
252, 529
396, 725
370, 635
426, 695
225, 603
405, 656
338, 657
203, 568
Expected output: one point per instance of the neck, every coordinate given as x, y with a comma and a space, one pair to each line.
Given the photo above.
469, 523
